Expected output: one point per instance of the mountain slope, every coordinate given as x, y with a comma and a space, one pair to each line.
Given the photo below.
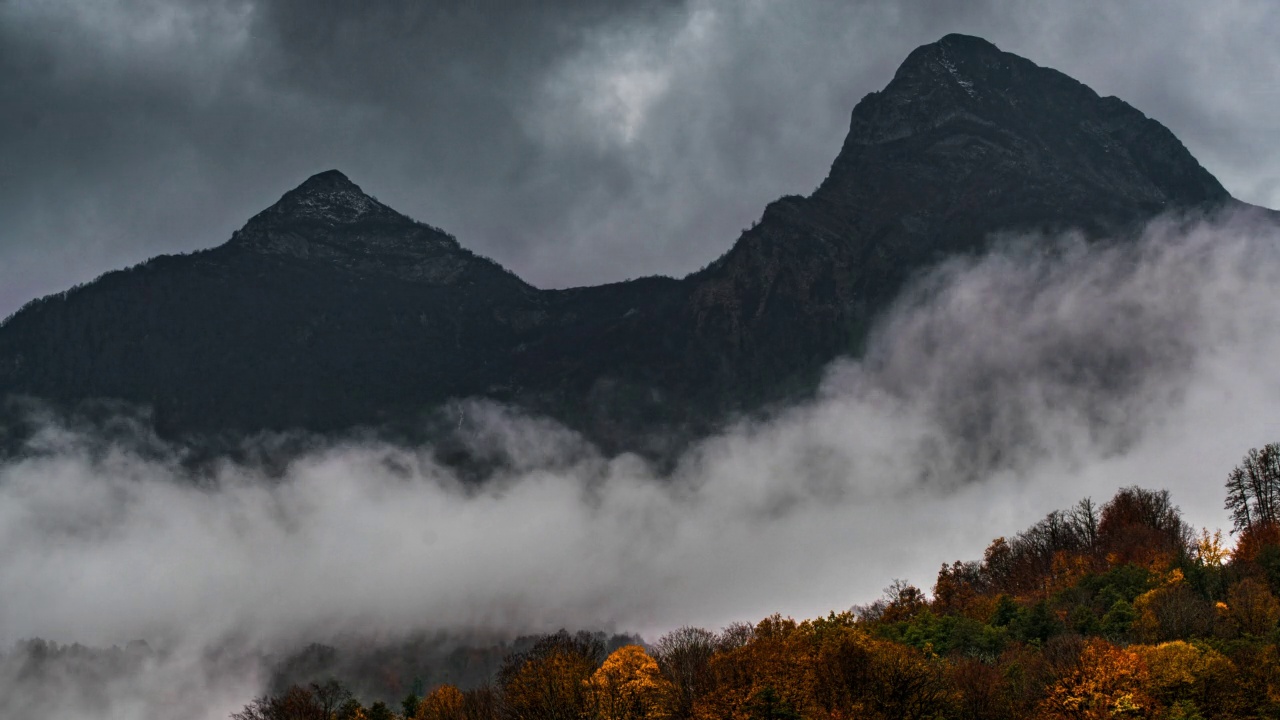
330, 311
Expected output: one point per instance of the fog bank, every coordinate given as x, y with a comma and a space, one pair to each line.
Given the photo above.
999, 388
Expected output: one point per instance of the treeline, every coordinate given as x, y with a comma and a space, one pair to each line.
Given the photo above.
1114, 611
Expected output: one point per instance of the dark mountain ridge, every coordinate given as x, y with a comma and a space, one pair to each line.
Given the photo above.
330, 311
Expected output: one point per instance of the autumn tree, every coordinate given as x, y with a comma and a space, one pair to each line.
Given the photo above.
296, 703
1254, 543
684, 656
776, 656
444, 703
858, 675
1251, 608
550, 681
840, 666
629, 686
978, 687
1172, 611
482, 703
1108, 682
903, 684
1211, 550
1190, 676
1256, 679
902, 601
735, 635
1253, 489
1143, 527
1025, 564
959, 588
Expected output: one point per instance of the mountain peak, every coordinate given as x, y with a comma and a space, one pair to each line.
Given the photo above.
962, 109
330, 219
329, 198
328, 180
952, 51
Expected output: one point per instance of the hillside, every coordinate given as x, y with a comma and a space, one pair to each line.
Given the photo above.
1097, 611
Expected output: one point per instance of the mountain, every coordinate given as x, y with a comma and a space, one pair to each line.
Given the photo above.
330, 311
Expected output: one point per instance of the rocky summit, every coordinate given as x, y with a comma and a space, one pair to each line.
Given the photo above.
330, 311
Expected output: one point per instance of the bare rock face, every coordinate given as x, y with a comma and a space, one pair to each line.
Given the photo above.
328, 198
330, 218
330, 311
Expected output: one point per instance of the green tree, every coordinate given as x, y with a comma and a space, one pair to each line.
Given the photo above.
767, 704
1117, 624
410, 704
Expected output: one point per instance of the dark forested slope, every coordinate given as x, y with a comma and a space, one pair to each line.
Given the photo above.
330, 311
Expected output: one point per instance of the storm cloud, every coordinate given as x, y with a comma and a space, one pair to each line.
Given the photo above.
574, 142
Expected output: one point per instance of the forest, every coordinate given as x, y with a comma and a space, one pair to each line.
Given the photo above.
1112, 610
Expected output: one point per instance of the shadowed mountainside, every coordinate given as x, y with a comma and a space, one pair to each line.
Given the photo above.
330, 311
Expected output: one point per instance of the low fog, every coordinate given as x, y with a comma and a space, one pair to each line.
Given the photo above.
999, 388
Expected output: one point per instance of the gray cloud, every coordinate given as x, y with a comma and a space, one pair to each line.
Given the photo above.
575, 142
998, 389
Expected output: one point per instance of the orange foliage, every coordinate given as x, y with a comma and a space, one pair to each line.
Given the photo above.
776, 658
1066, 570
959, 591
1141, 527
1253, 539
905, 600
1109, 682
828, 668
628, 686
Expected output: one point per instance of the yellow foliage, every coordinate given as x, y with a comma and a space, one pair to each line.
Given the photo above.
629, 686
1210, 549
443, 703
1146, 625
1177, 667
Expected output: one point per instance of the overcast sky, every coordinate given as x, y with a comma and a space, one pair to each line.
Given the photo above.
574, 141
